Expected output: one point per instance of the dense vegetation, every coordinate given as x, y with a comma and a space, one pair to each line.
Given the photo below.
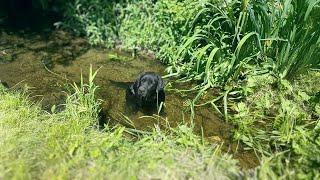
263, 56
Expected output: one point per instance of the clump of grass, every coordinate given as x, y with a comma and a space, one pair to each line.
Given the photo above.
83, 102
301, 163
268, 110
118, 57
231, 36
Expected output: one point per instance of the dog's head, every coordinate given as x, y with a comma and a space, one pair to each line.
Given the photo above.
148, 87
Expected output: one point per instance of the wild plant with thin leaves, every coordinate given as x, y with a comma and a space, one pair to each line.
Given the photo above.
294, 43
226, 38
83, 103
208, 40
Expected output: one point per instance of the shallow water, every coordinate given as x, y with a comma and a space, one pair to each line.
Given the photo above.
45, 63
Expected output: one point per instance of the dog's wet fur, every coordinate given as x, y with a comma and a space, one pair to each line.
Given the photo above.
147, 91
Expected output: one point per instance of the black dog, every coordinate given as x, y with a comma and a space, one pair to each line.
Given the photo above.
147, 90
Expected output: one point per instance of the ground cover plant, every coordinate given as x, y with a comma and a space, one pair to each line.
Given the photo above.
281, 119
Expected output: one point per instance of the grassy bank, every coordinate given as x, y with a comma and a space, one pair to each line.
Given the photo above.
70, 145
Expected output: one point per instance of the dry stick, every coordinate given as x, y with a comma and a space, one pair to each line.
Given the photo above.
65, 78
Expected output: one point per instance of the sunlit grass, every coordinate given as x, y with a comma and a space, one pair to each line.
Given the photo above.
66, 145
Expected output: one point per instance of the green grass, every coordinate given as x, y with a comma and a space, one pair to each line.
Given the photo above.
69, 145
280, 119
267, 112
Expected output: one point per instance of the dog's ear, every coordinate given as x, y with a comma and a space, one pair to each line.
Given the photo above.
160, 86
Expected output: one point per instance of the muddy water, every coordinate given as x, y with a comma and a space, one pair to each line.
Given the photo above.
45, 63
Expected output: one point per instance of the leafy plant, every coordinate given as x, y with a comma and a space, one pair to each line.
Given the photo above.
95, 19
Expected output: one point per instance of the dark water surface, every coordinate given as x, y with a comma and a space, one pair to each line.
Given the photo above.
45, 63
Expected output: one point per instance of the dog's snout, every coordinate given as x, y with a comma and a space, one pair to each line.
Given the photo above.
142, 90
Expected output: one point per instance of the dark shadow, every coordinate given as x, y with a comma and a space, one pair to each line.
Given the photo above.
103, 119
4, 84
59, 104
34, 20
28, 15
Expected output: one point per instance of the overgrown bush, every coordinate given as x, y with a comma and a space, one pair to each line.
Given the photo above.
158, 26
98, 20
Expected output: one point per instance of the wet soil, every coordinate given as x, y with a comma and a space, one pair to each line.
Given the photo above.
45, 63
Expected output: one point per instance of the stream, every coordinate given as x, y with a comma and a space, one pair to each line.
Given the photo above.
45, 63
